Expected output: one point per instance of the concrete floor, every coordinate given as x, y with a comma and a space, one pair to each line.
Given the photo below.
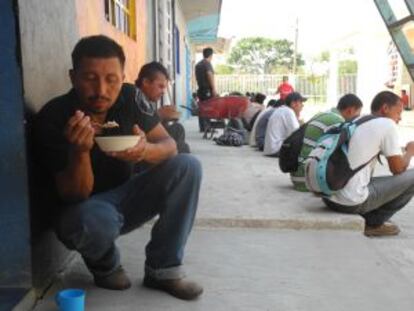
243, 188
264, 269
258, 245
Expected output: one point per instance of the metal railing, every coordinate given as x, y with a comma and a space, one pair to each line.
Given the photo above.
311, 86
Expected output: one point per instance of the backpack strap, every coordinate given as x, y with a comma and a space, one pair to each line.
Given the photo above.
359, 122
364, 119
352, 125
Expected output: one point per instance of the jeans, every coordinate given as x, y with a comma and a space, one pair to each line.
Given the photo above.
203, 94
387, 195
169, 190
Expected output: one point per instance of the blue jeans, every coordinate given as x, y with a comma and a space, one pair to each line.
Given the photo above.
387, 195
169, 190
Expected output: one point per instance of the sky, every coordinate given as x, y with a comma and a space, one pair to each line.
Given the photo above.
320, 22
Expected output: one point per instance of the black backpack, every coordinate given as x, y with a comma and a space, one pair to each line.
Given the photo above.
290, 150
230, 137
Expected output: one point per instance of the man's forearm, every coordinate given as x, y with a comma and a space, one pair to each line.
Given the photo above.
406, 158
158, 152
75, 183
212, 83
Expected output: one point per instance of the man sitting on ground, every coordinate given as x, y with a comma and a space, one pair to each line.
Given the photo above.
99, 197
253, 110
257, 136
377, 198
152, 73
282, 123
348, 108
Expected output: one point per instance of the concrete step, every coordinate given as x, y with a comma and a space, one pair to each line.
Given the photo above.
243, 188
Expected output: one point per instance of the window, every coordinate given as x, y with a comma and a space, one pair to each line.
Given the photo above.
121, 14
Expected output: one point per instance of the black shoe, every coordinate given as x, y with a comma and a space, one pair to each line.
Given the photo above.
117, 280
179, 288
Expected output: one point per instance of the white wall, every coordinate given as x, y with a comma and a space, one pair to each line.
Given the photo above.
150, 31
372, 57
48, 31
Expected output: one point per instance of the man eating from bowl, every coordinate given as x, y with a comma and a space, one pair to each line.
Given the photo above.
100, 197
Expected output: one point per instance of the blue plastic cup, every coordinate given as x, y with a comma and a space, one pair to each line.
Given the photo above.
71, 300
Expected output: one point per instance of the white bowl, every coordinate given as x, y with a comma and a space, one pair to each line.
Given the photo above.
116, 143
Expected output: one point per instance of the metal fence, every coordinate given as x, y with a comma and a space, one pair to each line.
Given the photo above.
313, 87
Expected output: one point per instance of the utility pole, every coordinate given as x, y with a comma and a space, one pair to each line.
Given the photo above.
295, 52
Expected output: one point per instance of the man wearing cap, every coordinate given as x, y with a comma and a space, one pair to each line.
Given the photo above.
283, 122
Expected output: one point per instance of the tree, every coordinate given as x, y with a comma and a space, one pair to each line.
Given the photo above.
222, 69
347, 67
323, 57
347, 63
263, 55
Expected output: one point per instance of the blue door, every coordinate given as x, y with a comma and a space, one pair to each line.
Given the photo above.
15, 268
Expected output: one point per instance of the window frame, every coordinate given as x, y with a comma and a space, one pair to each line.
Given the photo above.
122, 15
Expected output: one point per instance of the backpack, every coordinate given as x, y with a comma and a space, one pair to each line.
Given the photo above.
230, 137
290, 150
291, 147
327, 167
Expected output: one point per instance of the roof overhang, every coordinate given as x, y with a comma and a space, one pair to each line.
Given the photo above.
203, 18
220, 46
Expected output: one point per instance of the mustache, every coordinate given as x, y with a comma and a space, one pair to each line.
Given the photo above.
98, 97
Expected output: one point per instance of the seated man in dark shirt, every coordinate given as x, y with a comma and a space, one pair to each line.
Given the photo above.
100, 198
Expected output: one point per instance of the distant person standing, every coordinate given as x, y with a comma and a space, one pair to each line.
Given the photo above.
405, 100
205, 80
284, 89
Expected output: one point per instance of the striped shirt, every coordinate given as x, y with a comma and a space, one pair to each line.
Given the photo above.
314, 130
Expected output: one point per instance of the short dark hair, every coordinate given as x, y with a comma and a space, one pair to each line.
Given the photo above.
259, 98
276, 103
99, 46
349, 100
149, 71
384, 98
235, 93
207, 52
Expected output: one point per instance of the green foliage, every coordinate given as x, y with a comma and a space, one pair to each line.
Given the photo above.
324, 56
263, 55
223, 69
347, 67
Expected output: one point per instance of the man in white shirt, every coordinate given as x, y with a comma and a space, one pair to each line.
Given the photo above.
283, 122
258, 133
377, 198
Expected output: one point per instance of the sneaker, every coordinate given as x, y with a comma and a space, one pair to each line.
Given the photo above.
179, 288
386, 229
117, 280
